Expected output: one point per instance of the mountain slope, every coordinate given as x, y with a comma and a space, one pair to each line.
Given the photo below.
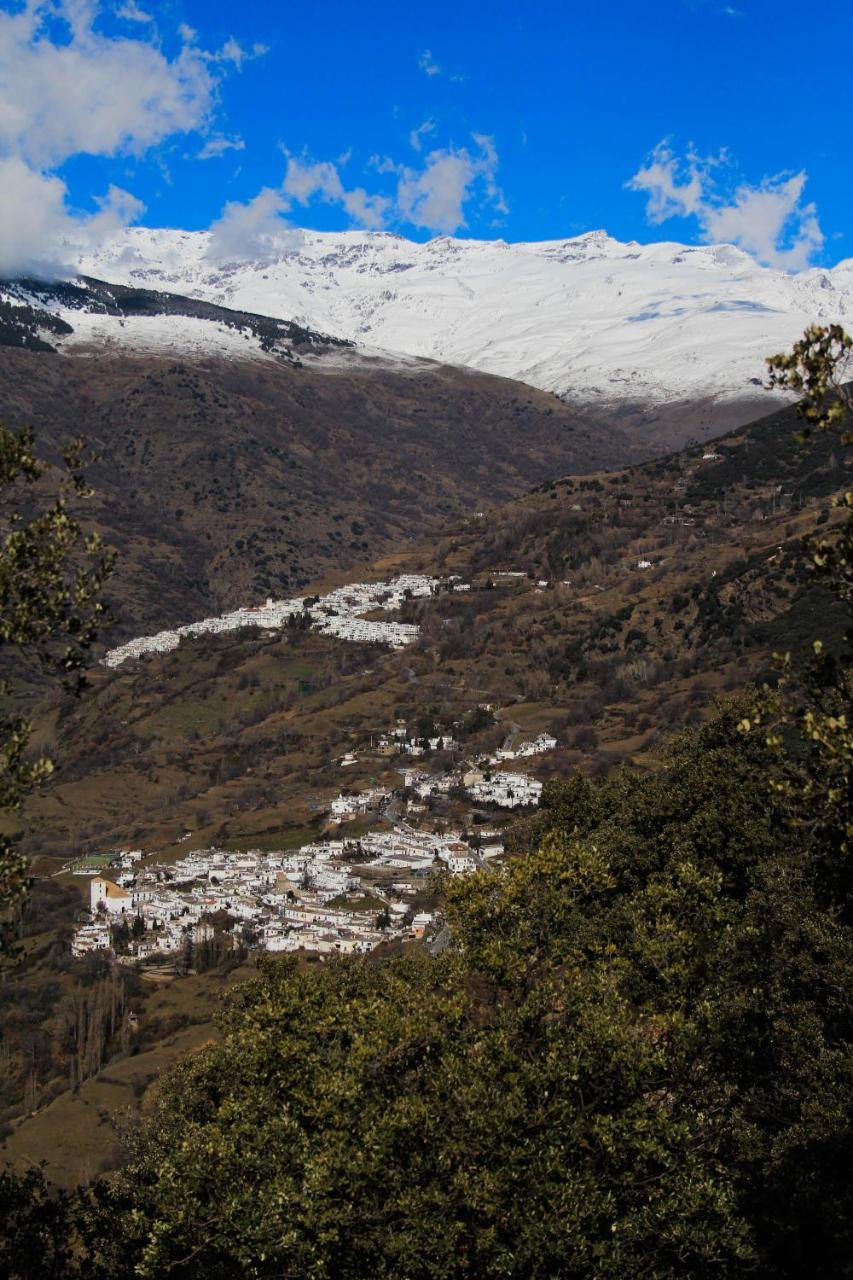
224, 479
611, 326
87, 316
607, 609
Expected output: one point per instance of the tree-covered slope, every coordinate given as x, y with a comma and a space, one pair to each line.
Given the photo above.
634, 1059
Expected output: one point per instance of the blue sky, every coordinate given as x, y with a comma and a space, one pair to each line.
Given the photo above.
692, 121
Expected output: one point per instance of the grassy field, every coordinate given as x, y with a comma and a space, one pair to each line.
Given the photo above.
285, 838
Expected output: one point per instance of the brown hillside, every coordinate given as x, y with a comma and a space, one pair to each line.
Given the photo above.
221, 482
234, 736
237, 739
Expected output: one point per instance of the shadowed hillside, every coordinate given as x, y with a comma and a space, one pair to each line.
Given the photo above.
223, 481
604, 608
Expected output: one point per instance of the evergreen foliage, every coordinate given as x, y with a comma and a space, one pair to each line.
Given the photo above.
51, 576
635, 1061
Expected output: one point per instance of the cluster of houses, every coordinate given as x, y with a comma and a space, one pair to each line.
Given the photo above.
339, 613
531, 747
501, 788
338, 895
408, 849
355, 803
400, 740
282, 901
483, 780
483, 783
507, 790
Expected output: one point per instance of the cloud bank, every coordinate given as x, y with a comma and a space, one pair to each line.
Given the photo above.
253, 232
38, 232
769, 220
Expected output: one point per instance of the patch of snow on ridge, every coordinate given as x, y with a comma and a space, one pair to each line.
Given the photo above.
186, 335
339, 613
586, 317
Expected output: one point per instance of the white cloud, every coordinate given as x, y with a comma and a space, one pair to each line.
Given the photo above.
434, 197
428, 64
39, 233
417, 135
131, 12
667, 197
488, 169
305, 180
217, 146
768, 220
232, 51
85, 92
67, 89
259, 231
430, 67
255, 231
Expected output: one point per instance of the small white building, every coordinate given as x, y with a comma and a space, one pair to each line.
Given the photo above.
90, 937
106, 895
507, 790
421, 923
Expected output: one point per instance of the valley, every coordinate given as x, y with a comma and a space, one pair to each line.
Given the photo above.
598, 607
371, 615
426, 622
285, 787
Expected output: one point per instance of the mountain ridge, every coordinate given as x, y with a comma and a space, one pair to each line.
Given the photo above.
598, 322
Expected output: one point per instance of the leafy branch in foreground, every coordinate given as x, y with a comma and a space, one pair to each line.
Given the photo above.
816, 702
51, 576
816, 369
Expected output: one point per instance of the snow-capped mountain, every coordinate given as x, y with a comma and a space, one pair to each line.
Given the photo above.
597, 321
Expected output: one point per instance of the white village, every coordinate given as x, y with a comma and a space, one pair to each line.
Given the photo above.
337, 895
340, 613
346, 894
